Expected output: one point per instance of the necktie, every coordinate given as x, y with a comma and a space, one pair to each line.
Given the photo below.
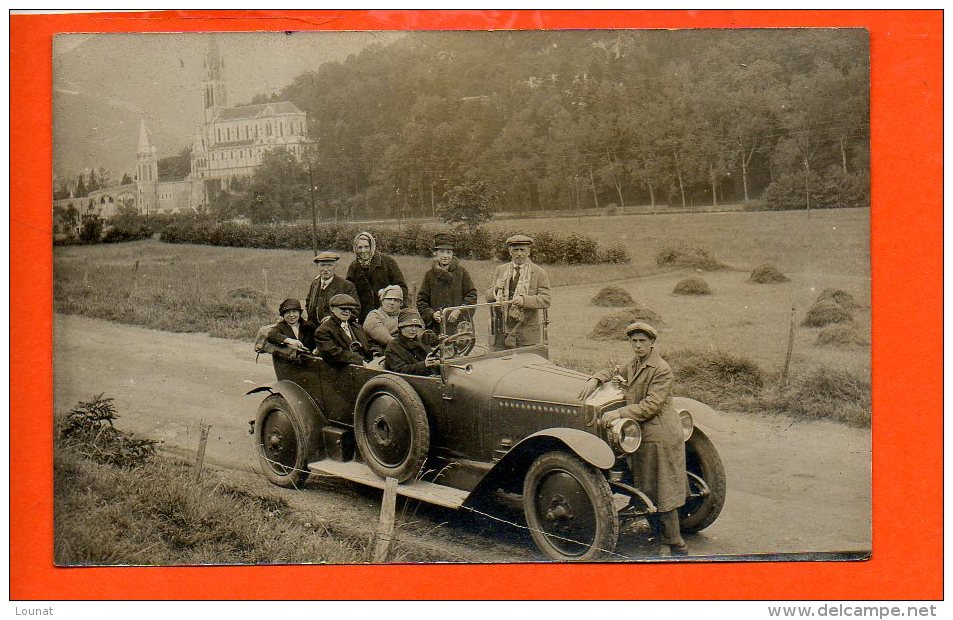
347, 331
514, 280
324, 284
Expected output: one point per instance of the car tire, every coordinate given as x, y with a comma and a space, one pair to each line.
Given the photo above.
568, 507
391, 428
285, 440
701, 459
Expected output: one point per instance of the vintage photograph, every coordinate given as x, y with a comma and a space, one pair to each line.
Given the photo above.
469, 297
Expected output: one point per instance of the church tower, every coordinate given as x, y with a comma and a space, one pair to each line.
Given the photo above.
147, 171
216, 99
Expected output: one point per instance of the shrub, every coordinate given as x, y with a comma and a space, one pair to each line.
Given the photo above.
825, 313
835, 189
715, 372
825, 393
612, 297
685, 255
612, 327
767, 274
88, 429
692, 286
841, 335
119, 234
840, 297
414, 239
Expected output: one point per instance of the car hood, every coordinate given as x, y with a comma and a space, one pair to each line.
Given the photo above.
542, 381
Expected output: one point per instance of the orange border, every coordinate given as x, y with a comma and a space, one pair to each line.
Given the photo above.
906, 246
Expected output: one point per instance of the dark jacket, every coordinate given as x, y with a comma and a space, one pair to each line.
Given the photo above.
382, 271
407, 356
282, 330
317, 303
335, 348
443, 288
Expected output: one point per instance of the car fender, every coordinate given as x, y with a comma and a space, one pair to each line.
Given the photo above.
297, 398
702, 414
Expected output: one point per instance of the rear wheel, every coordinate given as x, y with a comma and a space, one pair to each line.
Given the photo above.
391, 428
284, 442
568, 507
706, 500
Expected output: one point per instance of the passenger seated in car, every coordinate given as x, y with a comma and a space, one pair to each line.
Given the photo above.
380, 325
339, 339
293, 331
406, 353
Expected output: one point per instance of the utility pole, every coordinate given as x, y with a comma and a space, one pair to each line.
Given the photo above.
314, 215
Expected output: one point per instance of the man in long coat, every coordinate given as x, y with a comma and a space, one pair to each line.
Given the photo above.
445, 284
658, 466
526, 284
370, 272
325, 286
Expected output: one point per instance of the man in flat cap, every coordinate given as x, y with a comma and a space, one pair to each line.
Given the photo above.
658, 466
526, 284
325, 286
339, 339
446, 284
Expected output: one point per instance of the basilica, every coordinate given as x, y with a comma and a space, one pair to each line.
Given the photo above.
228, 145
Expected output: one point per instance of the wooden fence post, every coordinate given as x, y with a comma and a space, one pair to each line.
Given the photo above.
385, 529
787, 357
200, 457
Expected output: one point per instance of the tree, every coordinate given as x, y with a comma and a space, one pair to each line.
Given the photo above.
126, 179
81, 191
92, 229
468, 205
278, 190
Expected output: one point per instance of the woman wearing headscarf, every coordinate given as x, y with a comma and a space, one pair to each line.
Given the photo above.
370, 272
380, 325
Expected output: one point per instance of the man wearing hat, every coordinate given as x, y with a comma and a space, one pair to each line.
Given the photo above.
292, 331
526, 284
339, 339
370, 272
406, 353
326, 286
658, 466
445, 284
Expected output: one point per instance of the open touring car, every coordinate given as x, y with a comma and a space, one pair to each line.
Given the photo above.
489, 419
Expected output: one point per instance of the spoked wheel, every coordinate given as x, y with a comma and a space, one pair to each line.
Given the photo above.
706, 484
284, 441
391, 428
569, 509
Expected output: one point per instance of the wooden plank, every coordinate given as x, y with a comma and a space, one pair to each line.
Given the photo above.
385, 529
429, 492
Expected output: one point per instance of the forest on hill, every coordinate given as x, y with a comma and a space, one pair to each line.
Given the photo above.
566, 120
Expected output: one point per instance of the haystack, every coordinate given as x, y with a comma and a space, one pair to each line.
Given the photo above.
692, 286
842, 334
612, 297
612, 327
685, 255
767, 274
839, 296
826, 313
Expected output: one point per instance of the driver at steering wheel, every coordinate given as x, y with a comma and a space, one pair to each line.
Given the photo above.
406, 353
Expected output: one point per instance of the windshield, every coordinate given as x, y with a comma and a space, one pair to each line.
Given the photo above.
468, 331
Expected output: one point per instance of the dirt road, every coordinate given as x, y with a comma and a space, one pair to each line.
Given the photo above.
792, 487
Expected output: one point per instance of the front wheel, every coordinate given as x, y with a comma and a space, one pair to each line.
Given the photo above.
702, 508
284, 441
568, 507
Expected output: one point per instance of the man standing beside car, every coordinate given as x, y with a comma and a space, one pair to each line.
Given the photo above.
445, 284
325, 286
370, 272
526, 284
658, 466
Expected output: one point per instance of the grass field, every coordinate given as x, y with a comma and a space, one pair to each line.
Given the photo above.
187, 288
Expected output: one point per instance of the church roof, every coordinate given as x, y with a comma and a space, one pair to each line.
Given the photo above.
245, 112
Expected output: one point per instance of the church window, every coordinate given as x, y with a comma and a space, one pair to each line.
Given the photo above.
281, 129
218, 134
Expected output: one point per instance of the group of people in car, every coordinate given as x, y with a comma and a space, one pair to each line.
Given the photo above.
366, 314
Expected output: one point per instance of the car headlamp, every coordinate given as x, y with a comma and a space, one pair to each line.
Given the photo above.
688, 425
625, 434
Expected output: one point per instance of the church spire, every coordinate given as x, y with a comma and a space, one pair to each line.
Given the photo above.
214, 87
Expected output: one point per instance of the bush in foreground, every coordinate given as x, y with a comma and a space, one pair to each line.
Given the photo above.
826, 393
612, 297
709, 374
692, 286
612, 327
767, 274
826, 313
88, 429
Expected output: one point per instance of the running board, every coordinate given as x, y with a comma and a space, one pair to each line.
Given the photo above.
429, 492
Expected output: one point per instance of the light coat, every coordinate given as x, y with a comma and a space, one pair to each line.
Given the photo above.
537, 297
658, 466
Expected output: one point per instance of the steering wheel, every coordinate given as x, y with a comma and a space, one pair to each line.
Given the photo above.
460, 343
